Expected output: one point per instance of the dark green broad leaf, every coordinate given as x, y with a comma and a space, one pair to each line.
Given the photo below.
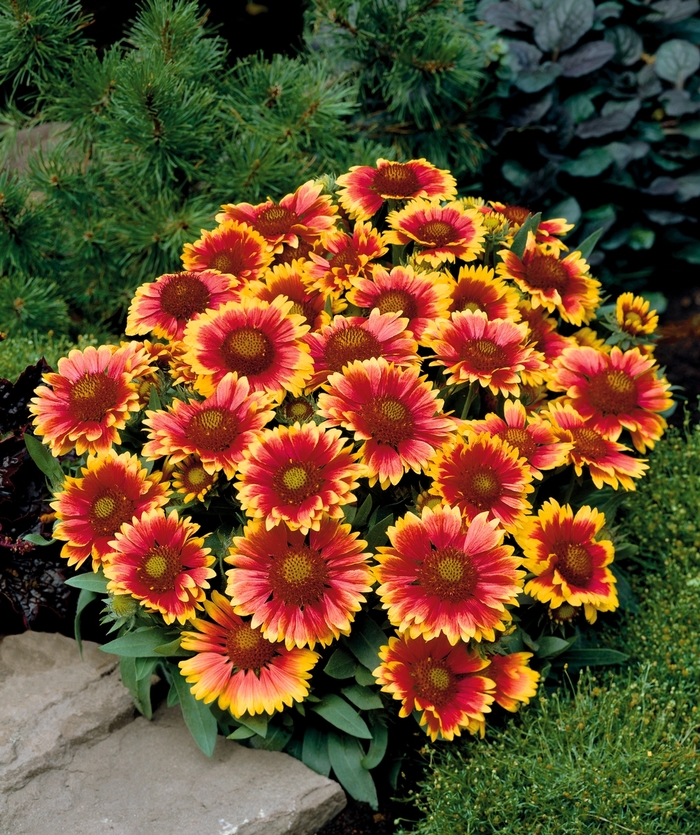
276, 739
255, 723
365, 641
341, 715
141, 643
687, 187
86, 596
676, 60
376, 535
138, 682
569, 209
349, 513
614, 117
594, 657
627, 42
48, 465
514, 172
346, 757
363, 676
154, 404
172, 649
96, 582
314, 752
532, 81
550, 646
590, 163
363, 697
198, 718
586, 59
377, 747
340, 665
691, 129
690, 253
588, 245
563, 23
520, 238
363, 513
241, 733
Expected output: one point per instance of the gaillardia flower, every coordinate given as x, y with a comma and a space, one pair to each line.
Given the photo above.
569, 564
443, 681
90, 509
233, 249
474, 348
483, 474
393, 411
238, 668
477, 288
633, 315
166, 305
346, 257
292, 281
614, 391
440, 233
364, 188
548, 231
258, 340
298, 217
438, 579
348, 339
300, 589
297, 474
562, 284
420, 297
218, 430
191, 480
516, 682
159, 560
90, 398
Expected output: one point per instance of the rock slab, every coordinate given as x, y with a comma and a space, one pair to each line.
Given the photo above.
139, 776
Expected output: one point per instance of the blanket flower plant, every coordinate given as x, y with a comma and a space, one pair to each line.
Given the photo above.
366, 461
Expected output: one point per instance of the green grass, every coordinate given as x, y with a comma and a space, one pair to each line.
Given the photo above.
17, 352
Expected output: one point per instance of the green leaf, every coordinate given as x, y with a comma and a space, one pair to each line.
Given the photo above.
339, 713
314, 752
691, 129
377, 747
590, 163
690, 253
569, 209
676, 60
276, 739
96, 582
594, 657
144, 667
48, 465
86, 596
364, 677
586, 247
520, 239
349, 512
198, 718
514, 172
563, 23
363, 513
365, 641
173, 697
143, 685
38, 539
255, 723
172, 649
627, 42
241, 733
340, 665
363, 697
153, 400
549, 646
346, 757
377, 533
141, 643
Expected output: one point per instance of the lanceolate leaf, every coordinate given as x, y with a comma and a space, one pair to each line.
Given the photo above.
96, 582
377, 747
363, 697
365, 641
340, 665
86, 596
198, 718
44, 461
586, 247
346, 757
314, 752
142, 643
339, 713
520, 239
594, 657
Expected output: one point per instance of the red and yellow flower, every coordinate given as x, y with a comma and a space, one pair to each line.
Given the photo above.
166, 305
364, 188
481, 474
90, 509
345, 258
297, 474
544, 336
562, 284
354, 338
300, 589
477, 288
191, 480
534, 439
298, 217
634, 316
438, 579
292, 281
606, 460
569, 564
548, 231
439, 233
159, 560
238, 668
516, 682
217, 430
474, 348
419, 296
614, 391
445, 682
90, 398
232, 249
258, 340
394, 412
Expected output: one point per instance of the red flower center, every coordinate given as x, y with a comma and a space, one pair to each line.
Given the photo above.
231, 260
345, 259
515, 214
448, 573
613, 392
296, 481
275, 221
248, 351
437, 233
247, 648
483, 355
160, 568
212, 430
589, 443
574, 563
434, 682
299, 577
480, 486
392, 301
92, 396
388, 420
109, 510
183, 295
396, 180
291, 253
195, 479
521, 440
350, 344
299, 409
545, 272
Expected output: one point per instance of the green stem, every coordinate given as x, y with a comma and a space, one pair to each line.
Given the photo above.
471, 396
